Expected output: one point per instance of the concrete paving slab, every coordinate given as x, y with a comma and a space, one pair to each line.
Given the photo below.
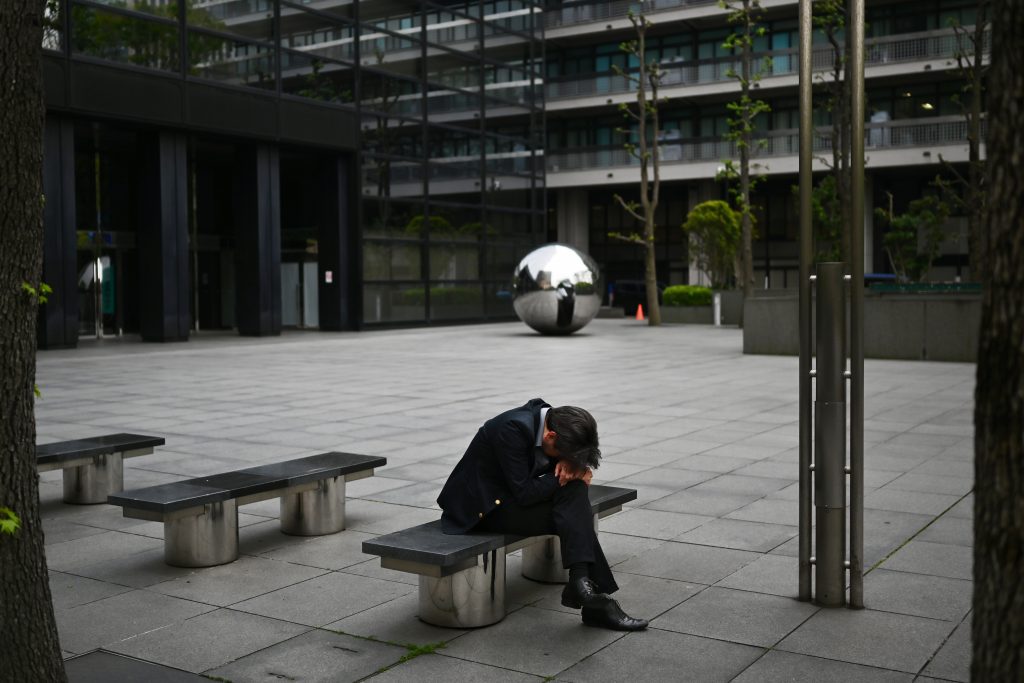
69, 591
916, 502
739, 535
953, 660
316, 657
769, 510
711, 463
240, 580
690, 563
421, 494
208, 640
950, 530
930, 483
373, 569
739, 485
666, 477
334, 551
769, 574
102, 667
439, 667
61, 530
141, 570
652, 523
621, 547
917, 594
707, 503
786, 666
395, 621
657, 656
105, 622
933, 559
324, 599
82, 552
889, 641
737, 616
537, 641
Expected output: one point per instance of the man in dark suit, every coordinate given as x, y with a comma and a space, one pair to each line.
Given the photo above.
526, 472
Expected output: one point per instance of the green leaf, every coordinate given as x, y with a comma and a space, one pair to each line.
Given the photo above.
9, 522
36, 391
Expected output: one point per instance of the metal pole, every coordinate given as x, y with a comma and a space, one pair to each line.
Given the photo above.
857, 307
806, 150
830, 438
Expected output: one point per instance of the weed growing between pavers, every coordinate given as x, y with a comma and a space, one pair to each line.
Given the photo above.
414, 650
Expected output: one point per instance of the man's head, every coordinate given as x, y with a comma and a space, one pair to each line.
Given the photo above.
570, 434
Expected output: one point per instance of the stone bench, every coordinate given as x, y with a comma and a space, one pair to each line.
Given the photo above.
93, 467
462, 577
200, 516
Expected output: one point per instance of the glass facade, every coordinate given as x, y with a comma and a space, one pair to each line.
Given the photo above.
449, 102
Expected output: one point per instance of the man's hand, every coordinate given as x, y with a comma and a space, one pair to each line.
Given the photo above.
566, 473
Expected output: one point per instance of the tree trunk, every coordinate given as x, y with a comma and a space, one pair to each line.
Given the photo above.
975, 166
998, 628
746, 224
28, 632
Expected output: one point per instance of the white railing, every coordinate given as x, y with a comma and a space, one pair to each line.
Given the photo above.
943, 44
584, 13
779, 143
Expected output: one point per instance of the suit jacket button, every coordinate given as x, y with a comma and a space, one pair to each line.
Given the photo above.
481, 515
497, 501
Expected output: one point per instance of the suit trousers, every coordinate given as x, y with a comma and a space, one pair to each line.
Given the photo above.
568, 515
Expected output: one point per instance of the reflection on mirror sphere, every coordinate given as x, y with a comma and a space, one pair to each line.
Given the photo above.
556, 289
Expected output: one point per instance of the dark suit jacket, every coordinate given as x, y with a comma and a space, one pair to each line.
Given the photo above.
500, 464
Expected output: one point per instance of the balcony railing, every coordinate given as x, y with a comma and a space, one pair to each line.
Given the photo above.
779, 143
943, 44
585, 13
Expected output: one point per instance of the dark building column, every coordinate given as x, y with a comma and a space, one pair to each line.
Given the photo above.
257, 205
338, 245
58, 317
164, 313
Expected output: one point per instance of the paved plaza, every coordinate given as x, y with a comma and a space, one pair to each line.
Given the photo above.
707, 435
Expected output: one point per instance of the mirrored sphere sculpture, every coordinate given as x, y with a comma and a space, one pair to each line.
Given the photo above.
556, 289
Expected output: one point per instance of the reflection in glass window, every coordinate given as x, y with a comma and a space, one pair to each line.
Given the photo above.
124, 37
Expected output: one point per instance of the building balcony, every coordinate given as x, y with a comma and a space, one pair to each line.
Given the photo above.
909, 142
603, 16
902, 54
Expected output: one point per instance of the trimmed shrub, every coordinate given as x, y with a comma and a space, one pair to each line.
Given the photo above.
687, 295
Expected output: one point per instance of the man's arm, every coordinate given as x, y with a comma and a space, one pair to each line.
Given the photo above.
514, 450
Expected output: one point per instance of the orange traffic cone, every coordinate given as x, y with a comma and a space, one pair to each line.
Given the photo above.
639, 312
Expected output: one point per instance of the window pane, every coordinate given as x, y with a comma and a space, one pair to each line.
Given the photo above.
230, 62
124, 39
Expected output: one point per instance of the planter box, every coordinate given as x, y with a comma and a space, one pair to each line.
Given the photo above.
698, 315
941, 327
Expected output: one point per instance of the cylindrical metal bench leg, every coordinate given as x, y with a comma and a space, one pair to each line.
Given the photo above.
316, 512
203, 540
92, 483
470, 598
542, 561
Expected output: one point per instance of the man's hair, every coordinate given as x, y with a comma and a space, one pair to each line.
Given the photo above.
577, 435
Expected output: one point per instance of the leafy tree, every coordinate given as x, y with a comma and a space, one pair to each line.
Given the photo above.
28, 631
644, 114
714, 230
966, 194
997, 631
826, 219
831, 17
744, 15
922, 225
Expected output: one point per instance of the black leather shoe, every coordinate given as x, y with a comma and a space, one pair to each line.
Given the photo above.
610, 615
582, 592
